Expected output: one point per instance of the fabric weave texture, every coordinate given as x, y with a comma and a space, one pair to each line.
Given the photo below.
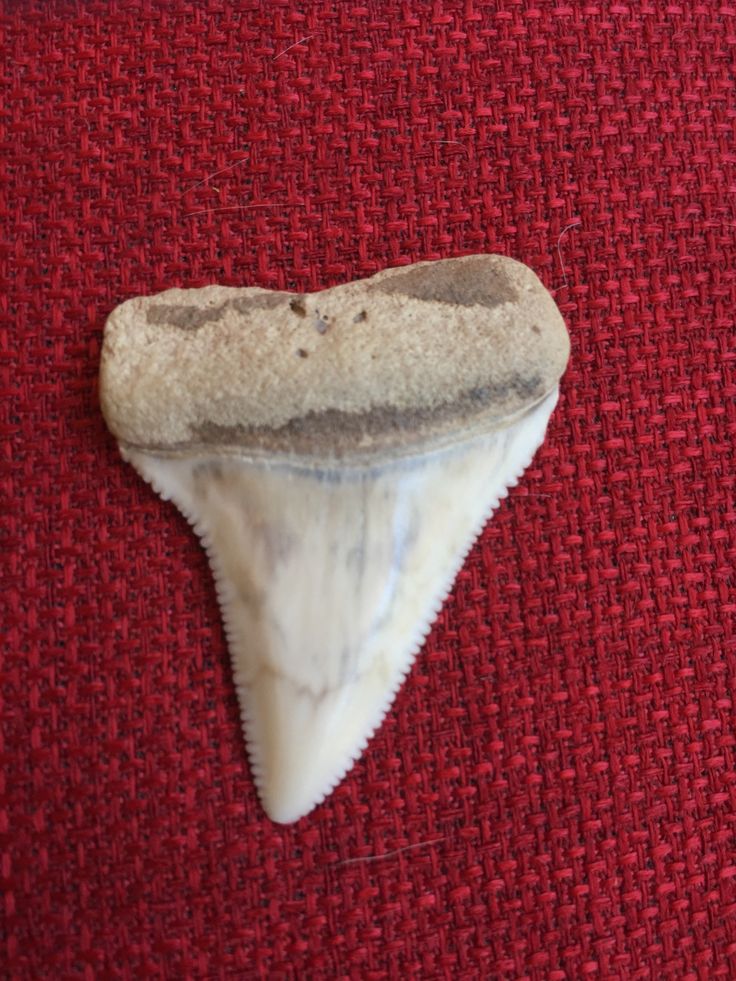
553, 794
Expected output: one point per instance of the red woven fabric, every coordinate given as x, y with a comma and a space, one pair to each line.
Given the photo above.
553, 794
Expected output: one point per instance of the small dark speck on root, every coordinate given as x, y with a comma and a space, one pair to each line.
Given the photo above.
536, 329
360, 317
297, 306
301, 353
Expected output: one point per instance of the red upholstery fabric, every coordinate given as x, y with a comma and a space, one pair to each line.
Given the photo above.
553, 794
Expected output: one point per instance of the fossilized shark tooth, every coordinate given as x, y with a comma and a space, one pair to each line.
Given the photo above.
337, 453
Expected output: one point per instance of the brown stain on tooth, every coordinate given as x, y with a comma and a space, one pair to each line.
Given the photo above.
258, 301
191, 317
344, 430
468, 284
184, 317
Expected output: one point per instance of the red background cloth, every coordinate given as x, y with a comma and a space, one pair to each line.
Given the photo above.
553, 794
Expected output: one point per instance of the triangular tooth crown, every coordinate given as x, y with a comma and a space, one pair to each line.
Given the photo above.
335, 524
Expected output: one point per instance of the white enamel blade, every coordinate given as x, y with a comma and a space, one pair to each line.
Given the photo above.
328, 583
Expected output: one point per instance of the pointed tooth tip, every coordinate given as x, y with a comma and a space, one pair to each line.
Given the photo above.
290, 811
289, 808
280, 812
284, 815
286, 796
